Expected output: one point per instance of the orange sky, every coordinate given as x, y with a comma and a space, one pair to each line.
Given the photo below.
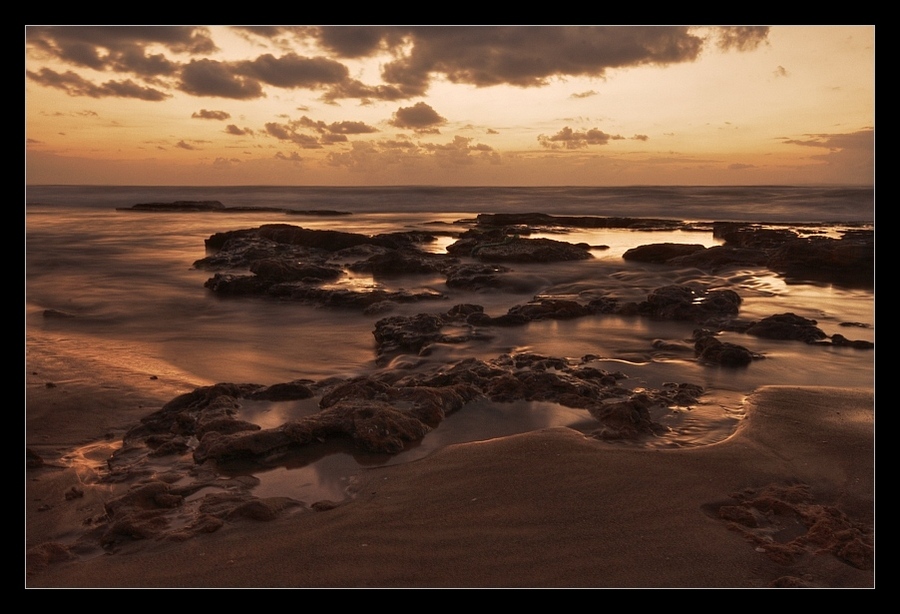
378, 105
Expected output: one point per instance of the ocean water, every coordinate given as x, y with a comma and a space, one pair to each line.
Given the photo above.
138, 304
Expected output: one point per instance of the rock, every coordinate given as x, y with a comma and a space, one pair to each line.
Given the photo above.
693, 303
274, 271
848, 260
660, 252
712, 351
475, 276
787, 326
859, 344
397, 262
550, 309
502, 245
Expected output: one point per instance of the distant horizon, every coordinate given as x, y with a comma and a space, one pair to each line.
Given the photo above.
425, 185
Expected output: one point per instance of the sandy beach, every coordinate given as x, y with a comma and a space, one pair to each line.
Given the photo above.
788, 500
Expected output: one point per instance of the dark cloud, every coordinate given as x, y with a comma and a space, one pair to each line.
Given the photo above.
420, 117
291, 70
184, 145
233, 129
586, 94
641, 137
353, 88
288, 132
76, 85
211, 78
572, 139
349, 127
119, 48
517, 55
206, 114
330, 138
356, 41
741, 38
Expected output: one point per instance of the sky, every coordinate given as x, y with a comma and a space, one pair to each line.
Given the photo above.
450, 105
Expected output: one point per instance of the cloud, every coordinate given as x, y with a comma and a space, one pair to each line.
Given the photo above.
356, 41
586, 94
205, 114
571, 139
288, 132
524, 56
640, 137
460, 150
184, 145
780, 72
420, 117
353, 88
233, 129
76, 85
119, 48
350, 127
212, 78
292, 71
741, 38
740, 167
518, 55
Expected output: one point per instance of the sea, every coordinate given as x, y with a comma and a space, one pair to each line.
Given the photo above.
131, 298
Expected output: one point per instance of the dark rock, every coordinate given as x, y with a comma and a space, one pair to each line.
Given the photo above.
712, 351
787, 326
550, 309
684, 302
277, 271
396, 262
289, 391
660, 252
498, 246
847, 260
859, 344
475, 276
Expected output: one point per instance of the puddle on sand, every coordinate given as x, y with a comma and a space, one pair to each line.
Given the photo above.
324, 471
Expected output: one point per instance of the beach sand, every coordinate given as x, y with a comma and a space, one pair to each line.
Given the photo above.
788, 500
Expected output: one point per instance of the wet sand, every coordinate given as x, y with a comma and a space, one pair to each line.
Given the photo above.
788, 500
